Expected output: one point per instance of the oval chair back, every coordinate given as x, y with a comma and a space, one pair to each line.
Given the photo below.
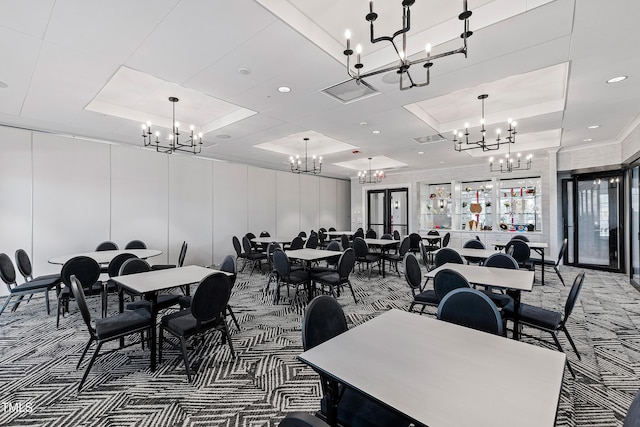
77, 289
519, 250
412, 272
446, 239
7, 271
359, 233
414, 242
246, 245
183, 253
473, 244
344, 239
333, 246
360, 247
404, 247
116, 263
323, 319
371, 234
520, 237
265, 234
396, 235
281, 263
386, 236
136, 244
501, 260
211, 298
301, 419
228, 265
332, 229
573, 295
107, 246
236, 245
302, 234
312, 242
297, 243
447, 280
472, 309
24, 264
133, 266
86, 270
446, 255
345, 263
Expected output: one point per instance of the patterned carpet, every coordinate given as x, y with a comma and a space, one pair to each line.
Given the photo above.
264, 382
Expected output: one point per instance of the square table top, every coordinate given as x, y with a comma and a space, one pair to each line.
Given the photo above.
444, 375
532, 245
308, 254
156, 280
520, 280
340, 233
105, 257
272, 239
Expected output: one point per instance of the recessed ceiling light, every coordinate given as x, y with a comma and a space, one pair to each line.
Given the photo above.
244, 71
223, 136
284, 89
587, 140
617, 79
3, 85
375, 132
442, 163
420, 152
594, 127
363, 123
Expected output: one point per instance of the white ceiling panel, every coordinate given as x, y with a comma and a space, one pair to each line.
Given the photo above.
19, 53
27, 17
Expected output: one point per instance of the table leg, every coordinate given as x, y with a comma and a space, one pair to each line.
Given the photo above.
515, 294
121, 308
382, 253
153, 299
332, 403
542, 266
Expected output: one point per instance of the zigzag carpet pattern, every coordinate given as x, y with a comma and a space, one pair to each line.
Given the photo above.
39, 377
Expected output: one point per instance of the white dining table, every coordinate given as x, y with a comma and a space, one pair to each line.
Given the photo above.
439, 374
539, 247
149, 283
105, 257
472, 252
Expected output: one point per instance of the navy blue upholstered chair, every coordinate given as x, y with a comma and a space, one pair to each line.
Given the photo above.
8, 276
288, 277
335, 279
472, 309
301, 419
474, 244
633, 414
413, 275
135, 244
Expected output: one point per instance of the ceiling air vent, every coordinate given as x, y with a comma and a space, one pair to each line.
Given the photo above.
350, 91
429, 139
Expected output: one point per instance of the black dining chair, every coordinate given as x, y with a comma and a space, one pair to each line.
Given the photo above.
446, 255
237, 246
474, 244
324, 319
500, 260
446, 280
181, 256
520, 251
554, 264
413, 276
288, 276
335, 279
396, 235
632, 419
206, 314
107, 246
163, 300
414, 242
87, 272
395, 258
371, 234
108, 328
364, 255
23, 262
255, 258
19, 291
549, 320
301, 419
472, 309
345, 242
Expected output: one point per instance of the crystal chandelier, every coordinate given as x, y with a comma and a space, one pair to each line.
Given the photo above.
296, 163
192, 145
407, 81
461, 140
370, 176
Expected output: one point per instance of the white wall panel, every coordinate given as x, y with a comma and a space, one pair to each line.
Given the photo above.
261, 201
70, 197
288, 204
328, 206
229, 207
309, 203
343, 199
15, 188
140, 199
190, 209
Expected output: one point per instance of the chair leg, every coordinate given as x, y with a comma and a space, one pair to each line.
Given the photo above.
160, 339
352, 292
60, 307
411, 306
559, 275
84, 352
46, 301
566, 332
93, 359
183, 345
6, 303
233, 317
226, 335
555, 338
17, 303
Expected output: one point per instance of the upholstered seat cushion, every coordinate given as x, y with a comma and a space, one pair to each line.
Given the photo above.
122, 323
328, 277
316, 271
501, 300
428, 296
536, 316
355, 410
50, 279
182, 323
298, 276
32, 285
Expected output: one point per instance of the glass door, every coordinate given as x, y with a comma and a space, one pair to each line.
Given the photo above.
597, 221
634, 211
388, 210
567, 220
